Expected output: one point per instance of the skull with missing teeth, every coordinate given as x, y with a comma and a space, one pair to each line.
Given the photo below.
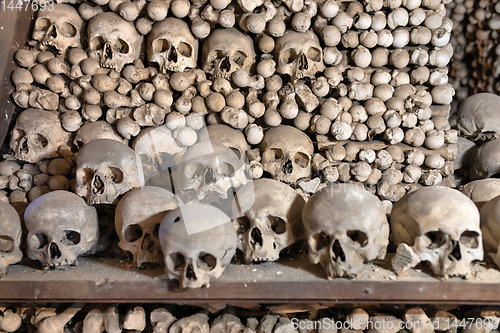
442, 226
227, 50
105, 170
61, 227
346, 226
113, 41
299, 54
172, 46
58, 27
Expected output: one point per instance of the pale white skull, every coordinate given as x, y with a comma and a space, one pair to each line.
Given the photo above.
478, 116
105, 170
485, 161
299, 54
113, 41
481, 191
58, 27
286, 153
137, 220
194, 258
61, 227
227, 136
490, 226
96, 130
442, 226
38, 134
346, 226
227, 50
272, 223
10, 237
172, 46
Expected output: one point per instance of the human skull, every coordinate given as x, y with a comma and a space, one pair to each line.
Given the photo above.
113, 41
346, 226
58, 27
172, 46
194, 258
61, 227
442, 225
10, 237
478, 116
96, 130
299, 54
485, 161
227, 136
37, 134
481, 191
137, 221
286, 153
105, 170
227, 50
272, 223
490, 226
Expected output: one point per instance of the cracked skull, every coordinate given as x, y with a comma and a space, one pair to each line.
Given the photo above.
299, 54
113, 41
342, 236
10, 237
37, 134
442, 225
198, 242
61, 227
105, 170
227, 50
172, 46
286, 153
59, 27
137, 221
272, 223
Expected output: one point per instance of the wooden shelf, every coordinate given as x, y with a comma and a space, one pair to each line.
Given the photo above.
290, 281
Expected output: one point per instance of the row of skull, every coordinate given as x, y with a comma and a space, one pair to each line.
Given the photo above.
115, 42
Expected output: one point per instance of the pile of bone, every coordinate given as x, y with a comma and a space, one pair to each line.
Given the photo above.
349, 72
314, 318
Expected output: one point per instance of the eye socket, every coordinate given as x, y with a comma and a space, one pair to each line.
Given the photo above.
194, 170
288, 56
314, 54
72, 238
436, 239
38, 241
241, 224
176, 260
86, 175
301, 159
320, 241
470, 239
132, 233
358, 236
207, 262
273, 155
124, 47
42, 24
236, 152
116, 175
278, 225
156, 231
68, 29
225, 169
161, 45
6, 244
39, 140
18, 134
97, 43
185, 49
239, 58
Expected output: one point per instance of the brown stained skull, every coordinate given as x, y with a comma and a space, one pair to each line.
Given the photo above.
286, 153
61, 227
299, 54
113, 41
59, 27
105, 170
38, 134
172, 46
442, 226
273, 222
346, 226
137, 221
227, 50
10, 237
198, 242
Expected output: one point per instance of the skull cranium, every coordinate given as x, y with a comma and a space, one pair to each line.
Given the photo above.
10, 237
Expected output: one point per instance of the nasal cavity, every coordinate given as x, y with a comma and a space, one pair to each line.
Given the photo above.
52, 32
172, 56
287, 168
256, 237
97, 185
225, 64
190, 275
54, 251
108, 53
455, 254
338, 253
209, 176
303, 62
